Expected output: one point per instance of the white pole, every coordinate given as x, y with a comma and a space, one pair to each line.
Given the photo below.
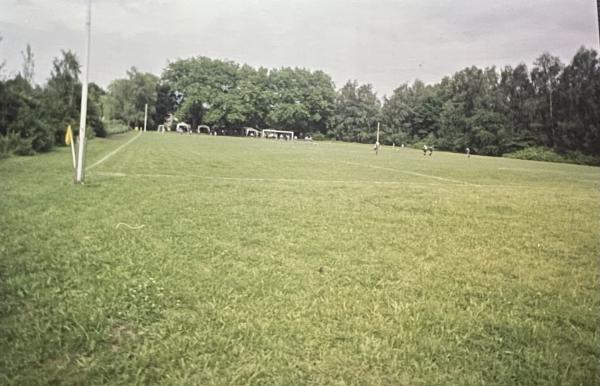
80, 174
377, 141
73, 154
145, 116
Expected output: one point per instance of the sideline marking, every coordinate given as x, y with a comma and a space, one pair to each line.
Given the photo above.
261, 179
413, 173
252, 179
112, 152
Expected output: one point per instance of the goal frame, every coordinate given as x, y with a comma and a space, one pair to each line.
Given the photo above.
266, 131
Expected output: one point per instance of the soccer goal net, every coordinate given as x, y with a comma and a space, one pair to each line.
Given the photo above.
278, 134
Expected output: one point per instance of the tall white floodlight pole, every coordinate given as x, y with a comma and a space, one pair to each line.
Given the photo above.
598, 8
377, 141
145, 116
80, 173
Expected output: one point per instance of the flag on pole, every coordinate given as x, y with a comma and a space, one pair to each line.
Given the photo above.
69, 136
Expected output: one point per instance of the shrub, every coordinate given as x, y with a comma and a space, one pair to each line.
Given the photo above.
115, 127
12, 143
319, 137
548, 155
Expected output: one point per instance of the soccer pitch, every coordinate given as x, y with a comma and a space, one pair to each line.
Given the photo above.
219, 260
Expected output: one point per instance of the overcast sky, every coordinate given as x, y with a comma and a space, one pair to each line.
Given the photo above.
382, 42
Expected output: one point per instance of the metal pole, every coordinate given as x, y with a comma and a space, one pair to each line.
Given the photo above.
598, 8
378, 126
145, 116
73, 154
80, 173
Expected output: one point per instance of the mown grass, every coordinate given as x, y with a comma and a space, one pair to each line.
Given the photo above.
271, 263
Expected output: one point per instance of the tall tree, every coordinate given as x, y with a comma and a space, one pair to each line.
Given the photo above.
28, 64
251, 98
411, 113
200, 85
126, 98
62, 98
517, 103
545, 78
95, 109
165, 103
470, 103
62, 94
302, 100
578, 107
397, 115
357, 110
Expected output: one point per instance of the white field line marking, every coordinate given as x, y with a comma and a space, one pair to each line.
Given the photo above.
258, 179
251, 179
414, 174
112, 153
130, 226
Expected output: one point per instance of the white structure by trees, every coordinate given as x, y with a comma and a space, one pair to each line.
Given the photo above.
250, 131
202, 128
276, 134
182, 126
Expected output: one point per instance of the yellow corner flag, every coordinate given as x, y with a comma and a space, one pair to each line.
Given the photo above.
69, 136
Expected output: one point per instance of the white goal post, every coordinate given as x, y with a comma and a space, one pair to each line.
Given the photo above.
269, 133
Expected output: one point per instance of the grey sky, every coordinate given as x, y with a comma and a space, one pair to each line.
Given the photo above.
382, 42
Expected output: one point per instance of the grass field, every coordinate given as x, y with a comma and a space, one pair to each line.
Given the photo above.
258, 262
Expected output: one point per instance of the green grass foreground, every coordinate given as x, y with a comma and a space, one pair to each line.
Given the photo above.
264, 262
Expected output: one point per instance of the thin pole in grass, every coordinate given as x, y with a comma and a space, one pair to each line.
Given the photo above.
145, 116
79, 174
377, 141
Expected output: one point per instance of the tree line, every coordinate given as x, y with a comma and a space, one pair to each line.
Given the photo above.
492, 110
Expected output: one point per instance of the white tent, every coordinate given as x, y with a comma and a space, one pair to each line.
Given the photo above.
203, 127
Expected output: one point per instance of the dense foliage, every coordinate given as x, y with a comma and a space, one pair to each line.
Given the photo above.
491, 111
126, 98
223, 94
500, 111
34, 118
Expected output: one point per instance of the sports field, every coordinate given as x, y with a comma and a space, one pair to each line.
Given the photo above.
199, 260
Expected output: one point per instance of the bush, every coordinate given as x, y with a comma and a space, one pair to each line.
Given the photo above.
12, 143
22, 127
319, 137
115, 127
429, 140
97, 127
33, 130
397, 138
548, 155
